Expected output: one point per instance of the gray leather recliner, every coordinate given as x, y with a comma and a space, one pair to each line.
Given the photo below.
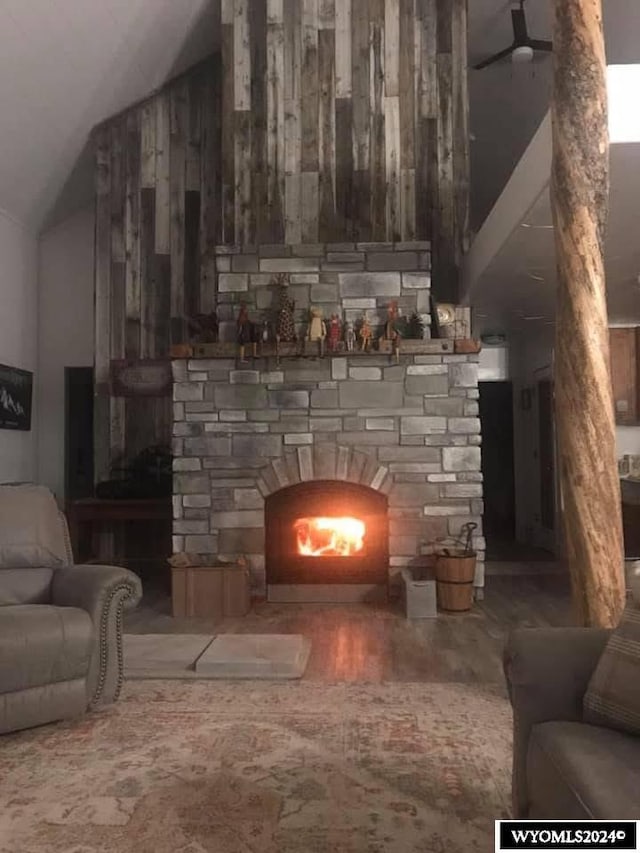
563, 767
60, 624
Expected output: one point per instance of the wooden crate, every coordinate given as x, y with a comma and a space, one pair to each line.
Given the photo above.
211, 592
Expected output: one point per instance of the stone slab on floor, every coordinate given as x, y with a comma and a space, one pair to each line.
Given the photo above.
255, 656
163, 655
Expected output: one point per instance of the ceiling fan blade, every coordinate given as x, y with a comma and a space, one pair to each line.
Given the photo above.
519, 23
495, 58
541, 44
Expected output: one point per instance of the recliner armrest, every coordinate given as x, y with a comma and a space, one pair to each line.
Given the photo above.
547, 672
104, 592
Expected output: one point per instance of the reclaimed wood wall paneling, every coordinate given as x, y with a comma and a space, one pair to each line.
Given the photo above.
158, 201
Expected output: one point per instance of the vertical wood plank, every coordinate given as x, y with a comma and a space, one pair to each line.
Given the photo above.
407, 85
214, 161
444, 9
211, 225
132, 234
293, 208
228, 108
427, 74
392, 48
423, 202
392, 157
344, 166
327, 14
377, 131
117, 435
178, 166
292, 120
309, 206
242, 56
102, 304
360, 53
343, 49
161, 273
194, 96
327, 140
147, 284
444, 255
260, 214
117, 144
242, 168
148, 144
163, 192
117, 325
408, 203
433, 190
192, 253
309, 86
460, 119
275, 109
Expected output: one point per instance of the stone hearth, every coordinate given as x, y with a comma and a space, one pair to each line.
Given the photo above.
409, 430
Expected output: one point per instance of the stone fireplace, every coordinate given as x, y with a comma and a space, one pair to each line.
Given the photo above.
281, 459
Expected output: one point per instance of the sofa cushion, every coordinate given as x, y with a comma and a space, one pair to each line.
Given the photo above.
41, 644
31, 533
25, 586
613, 694
577, 771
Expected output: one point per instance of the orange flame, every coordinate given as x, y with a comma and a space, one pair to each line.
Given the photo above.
330, 537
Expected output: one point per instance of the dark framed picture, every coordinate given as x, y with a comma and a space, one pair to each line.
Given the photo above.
16, 391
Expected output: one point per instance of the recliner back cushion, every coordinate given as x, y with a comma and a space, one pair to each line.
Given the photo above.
31, 534
613, 695
25, 586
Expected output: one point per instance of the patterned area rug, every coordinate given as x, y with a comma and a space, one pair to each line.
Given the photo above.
308, 767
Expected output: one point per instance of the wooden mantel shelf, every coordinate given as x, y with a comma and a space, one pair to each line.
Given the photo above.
441, 346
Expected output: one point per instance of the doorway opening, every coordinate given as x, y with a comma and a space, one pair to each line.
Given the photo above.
496, 416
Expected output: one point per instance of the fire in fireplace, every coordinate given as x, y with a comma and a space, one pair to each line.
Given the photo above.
342, 537
330, 537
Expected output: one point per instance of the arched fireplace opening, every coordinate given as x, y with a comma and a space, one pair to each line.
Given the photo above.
326, 532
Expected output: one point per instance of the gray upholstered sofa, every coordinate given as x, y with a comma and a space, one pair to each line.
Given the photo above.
564, 768
60, 624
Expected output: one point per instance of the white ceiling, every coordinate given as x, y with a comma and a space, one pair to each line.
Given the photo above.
67, 64
517, 289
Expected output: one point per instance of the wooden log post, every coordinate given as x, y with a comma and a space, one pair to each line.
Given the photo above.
590, 488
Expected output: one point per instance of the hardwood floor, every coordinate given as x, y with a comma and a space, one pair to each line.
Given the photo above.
375, 643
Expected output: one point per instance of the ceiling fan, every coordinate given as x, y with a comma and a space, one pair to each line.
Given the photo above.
523, 46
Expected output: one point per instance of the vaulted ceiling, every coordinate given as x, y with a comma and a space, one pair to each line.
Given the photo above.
67, 64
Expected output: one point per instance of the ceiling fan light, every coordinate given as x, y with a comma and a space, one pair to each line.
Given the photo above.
522, 54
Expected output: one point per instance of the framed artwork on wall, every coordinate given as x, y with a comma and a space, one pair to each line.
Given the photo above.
16, 391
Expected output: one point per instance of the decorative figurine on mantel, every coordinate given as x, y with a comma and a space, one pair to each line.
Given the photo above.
350, 337
365, 333
285, 328
317, 328
334, 333
390, 329
245, 332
